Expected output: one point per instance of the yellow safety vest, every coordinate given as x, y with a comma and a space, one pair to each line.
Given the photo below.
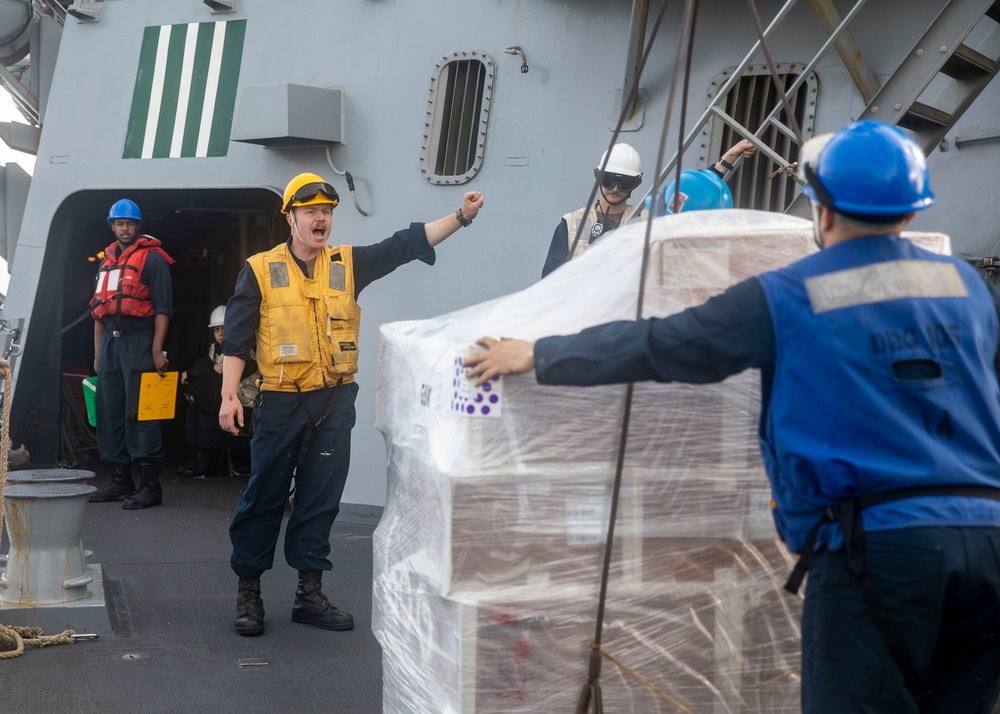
307, 338
573, 220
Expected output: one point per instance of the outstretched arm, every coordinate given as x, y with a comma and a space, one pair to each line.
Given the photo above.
742, 149
444, 227
731, 332
503, 356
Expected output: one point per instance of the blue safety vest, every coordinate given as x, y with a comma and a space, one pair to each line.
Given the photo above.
884, 380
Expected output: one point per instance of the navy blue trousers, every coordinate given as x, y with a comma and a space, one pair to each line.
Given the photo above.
121, 437
202, 430
941, 588
279, 422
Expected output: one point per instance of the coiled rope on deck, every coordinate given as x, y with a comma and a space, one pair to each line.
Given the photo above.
14, 638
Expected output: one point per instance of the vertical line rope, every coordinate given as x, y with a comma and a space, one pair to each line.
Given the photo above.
591, 697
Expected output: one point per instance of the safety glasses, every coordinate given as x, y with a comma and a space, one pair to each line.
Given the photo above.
310, 191
624, 181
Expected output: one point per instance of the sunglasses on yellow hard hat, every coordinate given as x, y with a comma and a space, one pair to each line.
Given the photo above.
310, 191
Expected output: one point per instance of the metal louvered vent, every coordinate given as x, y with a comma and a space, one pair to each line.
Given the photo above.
749, 103
457, 113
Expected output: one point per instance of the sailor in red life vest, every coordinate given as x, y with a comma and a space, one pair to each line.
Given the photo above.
132, 305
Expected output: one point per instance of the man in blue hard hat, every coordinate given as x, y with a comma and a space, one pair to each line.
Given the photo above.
700, 191
879, 430
132, 305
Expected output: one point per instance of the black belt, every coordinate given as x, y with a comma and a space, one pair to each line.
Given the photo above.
133, 331
848, 514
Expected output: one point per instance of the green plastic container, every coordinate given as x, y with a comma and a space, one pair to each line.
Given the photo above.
90, 399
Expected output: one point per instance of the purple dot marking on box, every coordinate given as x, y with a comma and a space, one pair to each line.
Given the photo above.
479, 397
494, 399
486, 410
470, 409
487, 387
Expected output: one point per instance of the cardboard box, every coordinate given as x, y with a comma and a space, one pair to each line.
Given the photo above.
683, 646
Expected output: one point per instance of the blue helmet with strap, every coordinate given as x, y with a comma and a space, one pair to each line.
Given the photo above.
870, 168
705, 191
124, 208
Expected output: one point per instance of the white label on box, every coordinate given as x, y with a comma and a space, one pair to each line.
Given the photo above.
425, 396
472, 401
586, 520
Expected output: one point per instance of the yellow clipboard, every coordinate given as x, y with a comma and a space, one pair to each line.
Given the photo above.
157, 397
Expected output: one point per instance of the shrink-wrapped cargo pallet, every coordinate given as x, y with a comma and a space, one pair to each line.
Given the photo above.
489, 556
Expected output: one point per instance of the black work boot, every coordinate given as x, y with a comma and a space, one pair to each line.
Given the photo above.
149, 493
249, 608
312, 607
118, 488
206, 468
189, 469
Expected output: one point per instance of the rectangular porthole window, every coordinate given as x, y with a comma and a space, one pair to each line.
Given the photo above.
457, 112
749, 102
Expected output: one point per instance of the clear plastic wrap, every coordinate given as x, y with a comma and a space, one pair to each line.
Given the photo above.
488, 558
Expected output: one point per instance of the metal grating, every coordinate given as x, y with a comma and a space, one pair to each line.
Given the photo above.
749, 102
457, 114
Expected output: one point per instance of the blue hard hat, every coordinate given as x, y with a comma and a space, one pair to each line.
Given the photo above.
705, 191
124, 209
870, 168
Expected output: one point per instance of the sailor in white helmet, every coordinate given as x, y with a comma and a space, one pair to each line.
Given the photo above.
203, 393
619, 174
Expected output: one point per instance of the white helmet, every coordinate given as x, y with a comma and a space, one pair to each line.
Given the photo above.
624, 168
624, 160
218, 316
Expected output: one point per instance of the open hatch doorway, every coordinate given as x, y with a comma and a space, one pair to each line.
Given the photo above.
209, 233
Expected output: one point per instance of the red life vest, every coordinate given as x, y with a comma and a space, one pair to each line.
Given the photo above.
119, 288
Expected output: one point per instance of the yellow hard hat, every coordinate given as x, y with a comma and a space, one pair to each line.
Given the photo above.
308, 189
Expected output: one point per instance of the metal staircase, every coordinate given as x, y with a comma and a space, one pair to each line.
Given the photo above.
947, 68
942, 75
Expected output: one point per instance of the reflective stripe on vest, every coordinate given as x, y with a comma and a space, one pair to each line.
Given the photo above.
878, 344
119, 289
573, 221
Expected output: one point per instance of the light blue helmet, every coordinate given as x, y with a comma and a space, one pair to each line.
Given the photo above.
705, 191
124, 208
870, 168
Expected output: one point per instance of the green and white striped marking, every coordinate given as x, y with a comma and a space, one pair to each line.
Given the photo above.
185, 90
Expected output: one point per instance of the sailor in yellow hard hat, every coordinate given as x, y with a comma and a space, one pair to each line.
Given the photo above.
298, 301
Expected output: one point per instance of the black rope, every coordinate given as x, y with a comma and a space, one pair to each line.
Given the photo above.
774, 74
632, 96
314, 423
591, 697
684, 96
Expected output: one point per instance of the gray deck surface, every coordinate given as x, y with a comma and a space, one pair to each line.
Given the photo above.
171, 590
172, 595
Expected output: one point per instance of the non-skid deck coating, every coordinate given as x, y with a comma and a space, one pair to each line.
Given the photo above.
172, 596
